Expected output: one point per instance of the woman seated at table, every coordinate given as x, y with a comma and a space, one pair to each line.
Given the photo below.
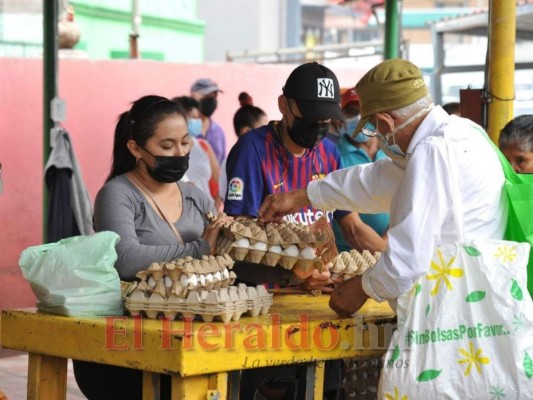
157, 216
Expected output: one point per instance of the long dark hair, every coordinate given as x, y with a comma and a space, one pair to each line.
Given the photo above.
139, 124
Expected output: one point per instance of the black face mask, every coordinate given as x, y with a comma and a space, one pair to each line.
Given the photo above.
168, 169
307, 133
208, 105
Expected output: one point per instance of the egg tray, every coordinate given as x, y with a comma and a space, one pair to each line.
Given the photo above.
180, 277
225, 304
283, 233
350, 263
301, 262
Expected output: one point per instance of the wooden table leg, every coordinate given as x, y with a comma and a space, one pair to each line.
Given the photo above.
218, 386
201, 387
47, 377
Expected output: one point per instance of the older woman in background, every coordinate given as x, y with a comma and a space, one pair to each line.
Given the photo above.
516, 143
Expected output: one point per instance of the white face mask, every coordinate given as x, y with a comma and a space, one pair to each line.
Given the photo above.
393, 151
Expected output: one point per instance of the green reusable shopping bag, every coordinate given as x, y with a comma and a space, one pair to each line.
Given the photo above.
519, 189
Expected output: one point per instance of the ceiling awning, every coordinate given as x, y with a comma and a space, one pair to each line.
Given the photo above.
477, 23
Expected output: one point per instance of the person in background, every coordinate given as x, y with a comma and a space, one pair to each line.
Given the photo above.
204, 170
516, 143
247, 118
205, 91
452, 108
280, 157
350, 109
157, 216
245, 99
413, 183
354, 149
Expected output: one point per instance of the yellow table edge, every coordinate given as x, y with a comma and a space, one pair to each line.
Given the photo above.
298, 329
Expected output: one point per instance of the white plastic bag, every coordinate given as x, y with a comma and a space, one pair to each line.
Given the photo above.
75, 276
465, 330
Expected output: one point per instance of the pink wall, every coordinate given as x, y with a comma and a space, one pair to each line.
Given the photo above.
96, 92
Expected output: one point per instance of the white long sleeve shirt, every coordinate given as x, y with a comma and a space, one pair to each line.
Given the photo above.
418, 197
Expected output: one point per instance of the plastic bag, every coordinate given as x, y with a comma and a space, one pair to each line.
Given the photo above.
519, 189
75, 276
464, 330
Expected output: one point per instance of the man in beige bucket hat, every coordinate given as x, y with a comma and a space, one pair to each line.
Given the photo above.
413, 184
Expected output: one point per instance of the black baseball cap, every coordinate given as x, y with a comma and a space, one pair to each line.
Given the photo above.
315, 89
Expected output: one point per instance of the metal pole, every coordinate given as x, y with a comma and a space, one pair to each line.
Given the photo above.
392, 29
134, 35
50, 44
438, 64
502, 35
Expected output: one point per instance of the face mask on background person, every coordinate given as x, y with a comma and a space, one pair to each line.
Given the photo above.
351, 124
168, 169
194, 125
307, 133
208, 105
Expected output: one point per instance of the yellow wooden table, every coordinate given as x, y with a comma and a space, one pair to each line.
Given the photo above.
199, 356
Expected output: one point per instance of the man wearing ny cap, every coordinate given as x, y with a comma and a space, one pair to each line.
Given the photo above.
205, 91
277, 158
413, 184
286, 155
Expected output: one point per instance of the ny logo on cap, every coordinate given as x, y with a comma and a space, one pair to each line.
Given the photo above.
325, 88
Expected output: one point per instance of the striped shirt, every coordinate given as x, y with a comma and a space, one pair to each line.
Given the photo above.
259, 165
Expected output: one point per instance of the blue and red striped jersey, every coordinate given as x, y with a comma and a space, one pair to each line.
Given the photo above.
259, 165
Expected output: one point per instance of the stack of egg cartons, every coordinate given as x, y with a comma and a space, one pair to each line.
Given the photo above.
190, 287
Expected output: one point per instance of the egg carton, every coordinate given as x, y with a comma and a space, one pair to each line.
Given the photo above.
350, 263
182, 276
225, 304
284, 233
290, 257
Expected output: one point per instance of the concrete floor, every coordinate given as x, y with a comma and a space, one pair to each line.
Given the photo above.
14, 377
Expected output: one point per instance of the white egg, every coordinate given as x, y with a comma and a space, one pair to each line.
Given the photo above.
217, 276
244, 243
275, 249
308, 253
291, 251
260, 246
208, 279
225, 274
193, 281
184, 280
151, 281
202, 280
168, 281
